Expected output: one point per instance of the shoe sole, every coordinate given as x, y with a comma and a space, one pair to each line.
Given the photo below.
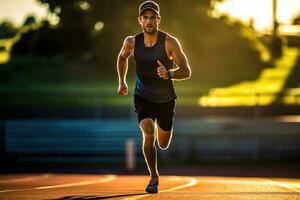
152, 191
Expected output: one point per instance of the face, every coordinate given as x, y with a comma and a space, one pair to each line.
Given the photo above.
149, 21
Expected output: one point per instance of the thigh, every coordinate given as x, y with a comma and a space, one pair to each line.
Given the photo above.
143, 108
165, 113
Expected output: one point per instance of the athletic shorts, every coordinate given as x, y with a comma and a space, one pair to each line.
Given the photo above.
163, 113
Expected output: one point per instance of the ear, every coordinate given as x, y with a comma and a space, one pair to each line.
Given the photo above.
140, 20
158, 19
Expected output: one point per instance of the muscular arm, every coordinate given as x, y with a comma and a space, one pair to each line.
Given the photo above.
122, 64
183, 71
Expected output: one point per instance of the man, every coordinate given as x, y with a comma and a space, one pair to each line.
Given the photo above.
154, 52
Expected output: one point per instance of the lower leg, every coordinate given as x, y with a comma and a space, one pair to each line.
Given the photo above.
150, 154
149, 148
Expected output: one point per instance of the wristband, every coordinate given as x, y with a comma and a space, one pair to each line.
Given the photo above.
170, 74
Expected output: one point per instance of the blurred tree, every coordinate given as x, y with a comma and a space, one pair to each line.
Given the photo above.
296, 20
30, 20
7, 30
92, 32
39, 42
72, 32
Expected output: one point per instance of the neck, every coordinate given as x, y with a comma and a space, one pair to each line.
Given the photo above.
150, 39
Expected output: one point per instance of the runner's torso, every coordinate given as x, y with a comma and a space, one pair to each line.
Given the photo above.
148, 84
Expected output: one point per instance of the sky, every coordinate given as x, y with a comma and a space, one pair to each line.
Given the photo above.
259, 10
17, 10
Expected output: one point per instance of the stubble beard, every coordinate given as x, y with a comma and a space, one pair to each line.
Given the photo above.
150, 31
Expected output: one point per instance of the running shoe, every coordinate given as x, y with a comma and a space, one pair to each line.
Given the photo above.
152, 187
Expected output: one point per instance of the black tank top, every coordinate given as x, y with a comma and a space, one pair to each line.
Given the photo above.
148, 84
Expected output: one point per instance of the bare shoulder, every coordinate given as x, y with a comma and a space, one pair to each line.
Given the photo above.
172, 42
129, 42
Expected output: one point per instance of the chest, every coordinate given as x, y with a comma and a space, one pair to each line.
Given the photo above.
150, 54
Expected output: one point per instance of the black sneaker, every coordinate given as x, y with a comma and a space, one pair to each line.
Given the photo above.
152, 187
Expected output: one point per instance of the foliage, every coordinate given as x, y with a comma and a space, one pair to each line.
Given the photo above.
296, 20
7, 30
219, 55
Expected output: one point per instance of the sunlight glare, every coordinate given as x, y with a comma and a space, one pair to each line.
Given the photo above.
84, 5
259, 11
262, 91
99, 26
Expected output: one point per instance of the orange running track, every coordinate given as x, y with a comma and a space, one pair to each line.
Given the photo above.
93, 186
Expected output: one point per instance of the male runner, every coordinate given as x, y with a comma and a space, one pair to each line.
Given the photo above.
154, 52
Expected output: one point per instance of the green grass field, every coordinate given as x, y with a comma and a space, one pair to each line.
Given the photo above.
82, 94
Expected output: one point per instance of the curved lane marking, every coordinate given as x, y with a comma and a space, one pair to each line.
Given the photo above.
291, 186
101, 180
24, 179
191, 182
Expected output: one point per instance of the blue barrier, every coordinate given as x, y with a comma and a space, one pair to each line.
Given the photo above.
70, 140
103, 141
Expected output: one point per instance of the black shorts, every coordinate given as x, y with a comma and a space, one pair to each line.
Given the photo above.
162, 112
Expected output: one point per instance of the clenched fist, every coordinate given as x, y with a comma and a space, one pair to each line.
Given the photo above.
123, 89
161, 71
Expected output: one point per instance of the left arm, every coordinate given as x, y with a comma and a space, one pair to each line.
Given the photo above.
174, 50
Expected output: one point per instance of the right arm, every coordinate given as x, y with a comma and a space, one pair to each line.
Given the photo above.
122, 64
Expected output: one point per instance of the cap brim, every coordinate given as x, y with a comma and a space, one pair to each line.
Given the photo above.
149, 9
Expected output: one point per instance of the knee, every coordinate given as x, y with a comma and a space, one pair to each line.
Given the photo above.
147, 127
163, 145
164, 139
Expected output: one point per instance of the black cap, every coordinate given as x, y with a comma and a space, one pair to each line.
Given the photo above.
149, 5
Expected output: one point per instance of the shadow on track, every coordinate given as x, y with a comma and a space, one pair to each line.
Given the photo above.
95, 197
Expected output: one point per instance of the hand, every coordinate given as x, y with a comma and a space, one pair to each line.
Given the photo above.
161, 71
123, 89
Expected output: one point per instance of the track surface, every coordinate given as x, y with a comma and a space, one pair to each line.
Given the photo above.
92, 187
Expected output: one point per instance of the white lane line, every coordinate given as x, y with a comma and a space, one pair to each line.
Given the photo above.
101, 180
258, 181
24, 179
291, 186
233, 181
191, 182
